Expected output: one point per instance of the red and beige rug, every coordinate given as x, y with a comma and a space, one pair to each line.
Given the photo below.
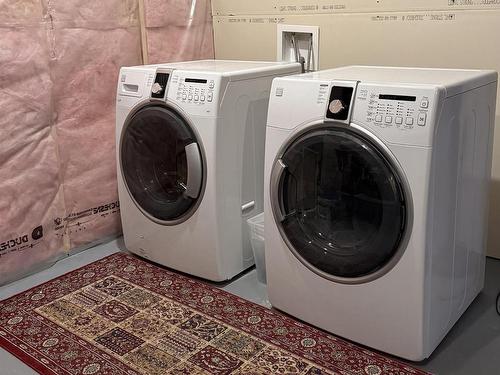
122, 315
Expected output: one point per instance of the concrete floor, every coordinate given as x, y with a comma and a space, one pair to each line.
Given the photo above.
472, 346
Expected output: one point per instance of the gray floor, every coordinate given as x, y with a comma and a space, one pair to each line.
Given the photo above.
472, 346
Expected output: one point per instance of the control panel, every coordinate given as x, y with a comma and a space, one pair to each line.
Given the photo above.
400, 114
387, 109
193, 90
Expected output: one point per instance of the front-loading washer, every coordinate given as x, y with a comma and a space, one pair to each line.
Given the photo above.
190, 141
376, 198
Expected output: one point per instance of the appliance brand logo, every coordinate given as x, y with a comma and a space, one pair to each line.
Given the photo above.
37, 233
106, 207
22, 241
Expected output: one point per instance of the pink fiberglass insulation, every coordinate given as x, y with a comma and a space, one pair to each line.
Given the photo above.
21, 13
172, 43
183, 13
85, 73
29, 168
88, 14
60, 61
179, 30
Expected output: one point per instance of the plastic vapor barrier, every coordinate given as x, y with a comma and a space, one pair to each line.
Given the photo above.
60, 61
29, 167
178, 30
91, 40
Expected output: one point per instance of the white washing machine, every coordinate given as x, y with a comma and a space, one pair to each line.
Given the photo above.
190, 140
376, 200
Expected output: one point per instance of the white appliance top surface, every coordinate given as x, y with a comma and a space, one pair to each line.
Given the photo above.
455, 81
229, 67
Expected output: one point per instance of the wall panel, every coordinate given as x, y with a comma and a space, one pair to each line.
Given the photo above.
446, 34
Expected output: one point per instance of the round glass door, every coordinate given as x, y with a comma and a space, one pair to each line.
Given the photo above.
161, 164
340, 204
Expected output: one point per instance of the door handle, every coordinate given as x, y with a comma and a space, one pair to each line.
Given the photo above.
194, 171
276, 176
248, 206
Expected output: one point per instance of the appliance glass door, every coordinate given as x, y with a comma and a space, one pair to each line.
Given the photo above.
339, 203
162, 164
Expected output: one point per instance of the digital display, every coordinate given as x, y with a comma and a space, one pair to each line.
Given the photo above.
402, 98
195, 80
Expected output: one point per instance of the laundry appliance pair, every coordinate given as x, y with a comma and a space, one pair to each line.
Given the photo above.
375, 187
190, 141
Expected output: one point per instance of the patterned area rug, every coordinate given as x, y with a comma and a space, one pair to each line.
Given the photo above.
122, 315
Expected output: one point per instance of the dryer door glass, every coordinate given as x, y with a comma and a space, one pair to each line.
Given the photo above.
161, 164
339, 203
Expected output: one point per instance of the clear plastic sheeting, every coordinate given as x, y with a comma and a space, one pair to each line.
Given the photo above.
178, 30
85, 75
31, 194
59, 63
110, 14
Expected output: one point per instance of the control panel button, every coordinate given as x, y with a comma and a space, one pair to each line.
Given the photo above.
388, 119
409, 121
424, 103
190, 97
202, 98
399, 120
422, 118
196, 98
184, 96
211, 85
378, 118
209, 97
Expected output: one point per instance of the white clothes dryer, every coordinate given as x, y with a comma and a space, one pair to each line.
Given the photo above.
376, 198
190, 140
